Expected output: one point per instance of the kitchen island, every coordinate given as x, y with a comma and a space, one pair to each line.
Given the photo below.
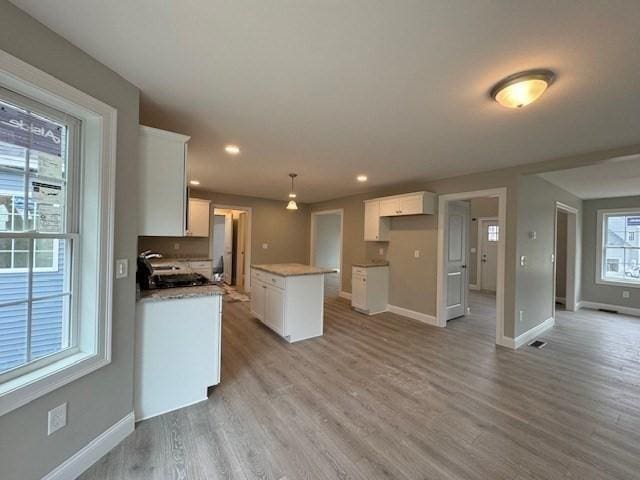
177, 352
289, 299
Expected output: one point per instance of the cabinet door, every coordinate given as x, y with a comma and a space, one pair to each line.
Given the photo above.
359, 292
162, 184
198, 225
411, 205
376, 229
274, 309
390, 207
258, 299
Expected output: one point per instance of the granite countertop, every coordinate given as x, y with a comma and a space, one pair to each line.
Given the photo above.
170, 260
371, 264
180, 293
292, 269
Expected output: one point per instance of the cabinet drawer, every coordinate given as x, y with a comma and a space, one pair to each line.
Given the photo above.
275, 280
258, 274
200, 265
359, 271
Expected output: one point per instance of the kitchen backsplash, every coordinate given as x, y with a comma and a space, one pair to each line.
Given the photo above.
187, 247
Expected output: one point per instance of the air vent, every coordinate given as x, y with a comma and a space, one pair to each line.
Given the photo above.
537, 344
606, 310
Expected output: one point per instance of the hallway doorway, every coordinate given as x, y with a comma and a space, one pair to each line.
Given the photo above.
326, 247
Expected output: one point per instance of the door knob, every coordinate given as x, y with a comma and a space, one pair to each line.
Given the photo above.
463, 266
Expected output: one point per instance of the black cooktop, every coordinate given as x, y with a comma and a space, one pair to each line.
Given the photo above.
174, 280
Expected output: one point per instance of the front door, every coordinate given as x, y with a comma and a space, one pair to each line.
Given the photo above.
489, 254
457, 222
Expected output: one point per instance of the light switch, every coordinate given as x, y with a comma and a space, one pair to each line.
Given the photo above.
473, 250
122, 268
523, 261
533, 235
265, 246
625, 294
176, 246
416, 253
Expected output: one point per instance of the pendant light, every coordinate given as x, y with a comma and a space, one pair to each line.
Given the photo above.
292, 205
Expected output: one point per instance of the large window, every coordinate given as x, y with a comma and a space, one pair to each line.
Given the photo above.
619, 246
37, 234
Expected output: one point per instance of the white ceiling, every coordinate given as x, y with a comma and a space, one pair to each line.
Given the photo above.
615, 178
396, 89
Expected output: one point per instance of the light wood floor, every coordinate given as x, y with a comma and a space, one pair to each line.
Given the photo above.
386, 397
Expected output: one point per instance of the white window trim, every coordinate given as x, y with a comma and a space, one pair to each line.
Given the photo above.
95, 279
600, 259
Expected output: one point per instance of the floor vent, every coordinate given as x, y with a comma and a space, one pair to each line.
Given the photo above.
606, 310
537, 344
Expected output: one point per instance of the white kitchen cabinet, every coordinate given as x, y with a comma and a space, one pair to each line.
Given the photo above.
203, 267
376, 228
198, 218
291, 306
370, 288
162, 184
417, 203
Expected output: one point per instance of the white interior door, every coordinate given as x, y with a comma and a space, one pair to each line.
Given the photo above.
240, 246
228, 247
489, 254
456, 241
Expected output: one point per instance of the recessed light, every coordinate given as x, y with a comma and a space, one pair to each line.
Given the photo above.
232, 149
194, 182
361, 178
520, 89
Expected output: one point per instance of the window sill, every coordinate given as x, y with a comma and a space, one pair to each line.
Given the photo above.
615, 283
22, 390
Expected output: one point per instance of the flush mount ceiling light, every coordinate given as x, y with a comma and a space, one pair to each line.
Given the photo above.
361, 178
194, 182
292, 205
232, 149
520, 89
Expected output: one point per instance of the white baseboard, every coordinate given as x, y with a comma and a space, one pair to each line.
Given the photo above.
532, 333
421, 317
75, 465
619, 308
346, 295
473, 286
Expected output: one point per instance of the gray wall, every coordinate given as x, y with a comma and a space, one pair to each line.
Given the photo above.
327, 241
100, 399
536, 213
286, 232
609, 294
479, 207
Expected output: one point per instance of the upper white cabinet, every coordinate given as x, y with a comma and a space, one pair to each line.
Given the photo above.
376, 228
417, 203
378, 210
162, 159
198, 221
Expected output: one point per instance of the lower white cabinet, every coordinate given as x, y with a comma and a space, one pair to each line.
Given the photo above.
291, 306
370, 288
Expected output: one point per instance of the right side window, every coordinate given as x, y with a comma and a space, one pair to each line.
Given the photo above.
620, 251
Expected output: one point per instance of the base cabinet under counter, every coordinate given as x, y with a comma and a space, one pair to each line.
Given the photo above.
291, 306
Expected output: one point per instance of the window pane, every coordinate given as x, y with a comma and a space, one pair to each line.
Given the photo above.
47, 317
631, 267
13, 336
49, 274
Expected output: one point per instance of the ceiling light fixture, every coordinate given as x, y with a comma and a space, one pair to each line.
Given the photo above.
361, 178
520, 89
194, 182
232, 149
292, 205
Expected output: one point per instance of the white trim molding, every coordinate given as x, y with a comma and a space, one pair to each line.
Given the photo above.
600, 236
344, 294
635, 312
443, 202
419, 316
530, 334
79, 462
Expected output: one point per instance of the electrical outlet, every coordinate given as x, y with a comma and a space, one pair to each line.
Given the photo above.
522, 315
416, 254
265, 246
176, 246
122, 268
57, 418
381, 251
625, 294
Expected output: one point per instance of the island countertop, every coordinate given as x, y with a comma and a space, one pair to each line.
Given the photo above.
292, 269
162, 294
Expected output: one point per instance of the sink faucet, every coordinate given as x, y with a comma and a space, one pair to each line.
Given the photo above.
149, 254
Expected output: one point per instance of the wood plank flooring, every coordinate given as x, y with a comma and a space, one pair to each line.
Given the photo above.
386, 397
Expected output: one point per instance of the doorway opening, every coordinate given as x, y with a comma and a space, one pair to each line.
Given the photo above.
471, 261
326, 247
565, 251
231, 246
